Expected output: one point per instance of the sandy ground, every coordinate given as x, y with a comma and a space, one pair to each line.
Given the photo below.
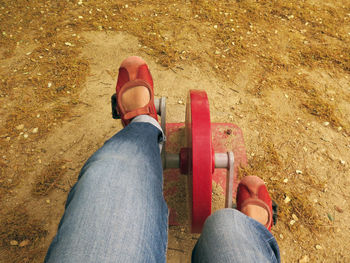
294, 116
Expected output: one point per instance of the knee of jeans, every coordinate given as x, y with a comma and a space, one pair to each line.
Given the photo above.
223, 217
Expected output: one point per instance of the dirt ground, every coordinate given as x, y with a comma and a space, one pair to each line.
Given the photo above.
278, 69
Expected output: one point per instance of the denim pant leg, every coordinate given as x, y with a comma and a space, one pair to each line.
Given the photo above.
230, 236
116, 211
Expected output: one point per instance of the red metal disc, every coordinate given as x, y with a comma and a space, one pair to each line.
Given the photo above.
199, 143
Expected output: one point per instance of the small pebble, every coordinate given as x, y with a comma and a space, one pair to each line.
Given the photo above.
340, 128
304, 259
20, 127
292, 222
48, 201
342, 162
281, 236
285, 180
13, 243
68, 44
287, 200
286, 96
215, 26
294, 216
298, 171
24, 243
338, 209
35, 130
25, 135
49, 85
318, 247
326, 123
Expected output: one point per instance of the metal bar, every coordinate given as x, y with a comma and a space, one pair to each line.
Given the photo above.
161, 104
229, 180
221, 160
157, 105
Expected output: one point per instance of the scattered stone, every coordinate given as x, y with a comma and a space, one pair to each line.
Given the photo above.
24, 243
68, 44
20, 127
285, 180
35, 130
342, 162
287, 200
180, 102
281, 236
340, 128
304, 259
292, 222
326, 123
13, 243
298, 171
294, 216
48, 201
49, 85
215, 26
286, 96
318, 247
38, 116
25, 135
338, 209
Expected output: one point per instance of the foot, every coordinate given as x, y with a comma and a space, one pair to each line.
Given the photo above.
134, 98
135, 95
254, 200
138, 96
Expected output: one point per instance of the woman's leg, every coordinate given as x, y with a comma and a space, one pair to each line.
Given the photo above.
116, 211
230, 236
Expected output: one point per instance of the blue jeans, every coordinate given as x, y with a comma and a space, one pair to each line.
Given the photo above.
116, 211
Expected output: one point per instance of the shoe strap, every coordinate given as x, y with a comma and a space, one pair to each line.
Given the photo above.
258, 202
139, 111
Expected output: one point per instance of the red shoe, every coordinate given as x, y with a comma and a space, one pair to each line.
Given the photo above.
134, 72
252, 191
